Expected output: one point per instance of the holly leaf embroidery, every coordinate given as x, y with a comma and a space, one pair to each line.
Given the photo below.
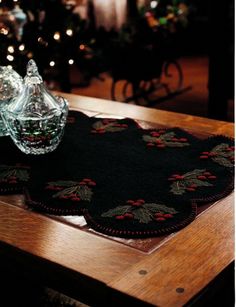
143, 215
159, 208
120, 210
189, 181
18, 173
194, 174
166, 139
63, 183
83, 192
112, 126
178, 188
140, 211
223, 161
223, 155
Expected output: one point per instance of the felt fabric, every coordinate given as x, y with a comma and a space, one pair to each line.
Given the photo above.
125, 180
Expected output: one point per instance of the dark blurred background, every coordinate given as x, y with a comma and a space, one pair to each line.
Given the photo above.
175, 55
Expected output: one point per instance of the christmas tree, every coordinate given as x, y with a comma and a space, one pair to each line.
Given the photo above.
48, 31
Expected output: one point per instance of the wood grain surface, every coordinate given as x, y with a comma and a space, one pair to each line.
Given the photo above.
195, 123
170, 276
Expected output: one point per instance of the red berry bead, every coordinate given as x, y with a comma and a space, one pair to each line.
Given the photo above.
183, 140
130, 201
207, 173
12, 181
158, 214
168, 215
160, 219
212, 154
175, 139
86, 180
128, 216
212, 177
205, 152
92, 183
203, 157
119, 217
161, 145
190, 189
150, 144
136, 204
141, 201
201, 177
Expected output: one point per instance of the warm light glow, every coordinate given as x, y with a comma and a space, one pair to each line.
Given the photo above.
10, 57
43, 42
15, 0
153, 4
69, 32
71, 61
56, 36
52, 63
22, 47
9, 66
82, 47
4, 31
10, 49
30, 55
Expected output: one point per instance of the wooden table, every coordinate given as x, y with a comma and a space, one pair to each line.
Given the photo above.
96, 269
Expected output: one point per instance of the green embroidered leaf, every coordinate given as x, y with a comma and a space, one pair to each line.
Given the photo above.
148, 138
176, 144
85, 193
221, 147
198, 182
98, 125
120, 210
194, 173
13, 171
65, 192
4, 174
109, 127
178, 188
167, 136
63, 183
114, 129
165, 139
143, 215
159, 208
223, 161
23, 175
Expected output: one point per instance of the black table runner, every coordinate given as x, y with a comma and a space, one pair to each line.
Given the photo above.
125, 180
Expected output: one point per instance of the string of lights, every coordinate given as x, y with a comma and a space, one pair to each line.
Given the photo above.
52, 44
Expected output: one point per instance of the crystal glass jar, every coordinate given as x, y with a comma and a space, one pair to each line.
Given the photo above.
10, 86
35, 118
